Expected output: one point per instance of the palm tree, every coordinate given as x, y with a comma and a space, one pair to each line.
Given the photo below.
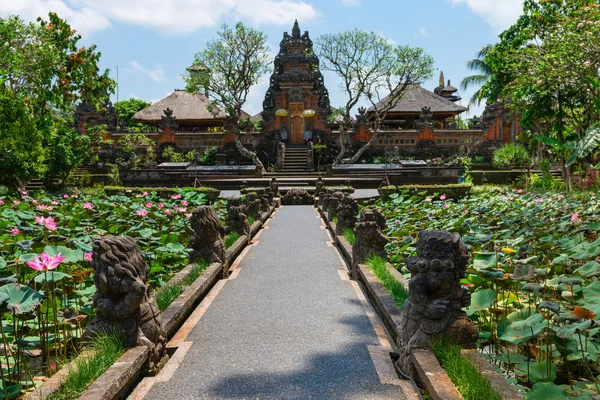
482, 75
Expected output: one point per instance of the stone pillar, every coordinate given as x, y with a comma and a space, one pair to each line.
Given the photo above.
436, 297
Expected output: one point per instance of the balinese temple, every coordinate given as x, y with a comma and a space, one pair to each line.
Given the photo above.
297, 100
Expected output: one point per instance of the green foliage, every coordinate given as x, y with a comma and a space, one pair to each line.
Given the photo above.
126, 109
231, 239
512, 155
483, 72
171, 155
67, 149
349, 235
398, 292
167, 294
140, 146
586, 145
62, 72
21, 151
105, 350
467, 378
210, 156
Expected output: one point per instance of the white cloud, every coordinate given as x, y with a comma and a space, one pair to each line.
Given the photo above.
351, 3
156, 74
389, 40
84, 19
499, 14
169, 17
422, 33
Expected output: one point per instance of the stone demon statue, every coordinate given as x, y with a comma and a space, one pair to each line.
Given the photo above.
274, 185
436, 297
122, 297
370, 239
297, 197
236, 220
346, 213
334, 201
253, 205
207, 236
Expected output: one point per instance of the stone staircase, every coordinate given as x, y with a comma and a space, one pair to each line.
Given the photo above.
295, 159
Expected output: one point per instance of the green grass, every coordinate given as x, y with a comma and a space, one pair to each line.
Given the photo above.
105, 350
251, 220
349, 235
335, 220
168, 293
394, 288
230, 239
465, 376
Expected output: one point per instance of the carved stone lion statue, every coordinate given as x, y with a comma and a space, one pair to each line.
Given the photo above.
122, 298
436, 297
297, 197
253, 205
370, 239
334, 202
236, 220
274, 185
207, 236
346, 213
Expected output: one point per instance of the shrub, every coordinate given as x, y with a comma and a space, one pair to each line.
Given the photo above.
512, 155
171, 155
210, 156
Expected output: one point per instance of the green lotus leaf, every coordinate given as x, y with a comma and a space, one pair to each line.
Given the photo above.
481, 299
11, 392
566, 331
69, 254
547, 391
538, 371
530, 323
51, 277
19, 300
589, 269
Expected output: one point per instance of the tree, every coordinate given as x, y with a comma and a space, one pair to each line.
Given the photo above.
126, 109
369, 67
43, 63
138, 145
66, 150
21, 150
235, 62
546, 64
483, 72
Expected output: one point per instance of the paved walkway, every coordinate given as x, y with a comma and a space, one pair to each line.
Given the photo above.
288, 326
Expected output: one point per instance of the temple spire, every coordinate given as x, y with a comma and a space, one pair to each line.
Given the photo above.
441, 79
296, 30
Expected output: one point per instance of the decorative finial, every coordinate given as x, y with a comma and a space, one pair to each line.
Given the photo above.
296, 29
449, 82
441, 78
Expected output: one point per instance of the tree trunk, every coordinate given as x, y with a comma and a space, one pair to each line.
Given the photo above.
247, 153
340, 155
361, 151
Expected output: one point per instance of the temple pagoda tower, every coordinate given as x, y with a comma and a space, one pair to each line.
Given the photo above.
297, 98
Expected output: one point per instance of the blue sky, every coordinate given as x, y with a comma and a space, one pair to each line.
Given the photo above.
153, 41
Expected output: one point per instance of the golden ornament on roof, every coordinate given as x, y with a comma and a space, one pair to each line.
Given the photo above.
281, 113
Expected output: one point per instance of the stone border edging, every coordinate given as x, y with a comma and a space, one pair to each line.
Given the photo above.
172, 318
433, 376
120, 376
496, 380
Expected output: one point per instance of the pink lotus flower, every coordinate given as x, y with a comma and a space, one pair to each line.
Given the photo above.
16, 202
44, 207
161, 205
185, 203
75, 196
1, 202
65, 196
587, 63
520, 191
188, 215
168, 212
138, 196
428, 199
34, 201
88, 205
589, 33
465, 211
446, 205
128, 191
560, 196
23, 197
175, 207
143, 213
575, 217
580, 25
54, 202
443, 197
46, 262
40, 220
149, 205
88, 256
145, 193
182, 209
540, 81
50, 224
176, 196
15, 231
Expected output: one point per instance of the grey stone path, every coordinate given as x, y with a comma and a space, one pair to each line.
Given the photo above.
287, 327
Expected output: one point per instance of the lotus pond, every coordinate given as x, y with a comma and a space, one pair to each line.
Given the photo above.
46, 275
534, 279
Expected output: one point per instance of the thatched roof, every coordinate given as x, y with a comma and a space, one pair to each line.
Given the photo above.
415, 98
186, 107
